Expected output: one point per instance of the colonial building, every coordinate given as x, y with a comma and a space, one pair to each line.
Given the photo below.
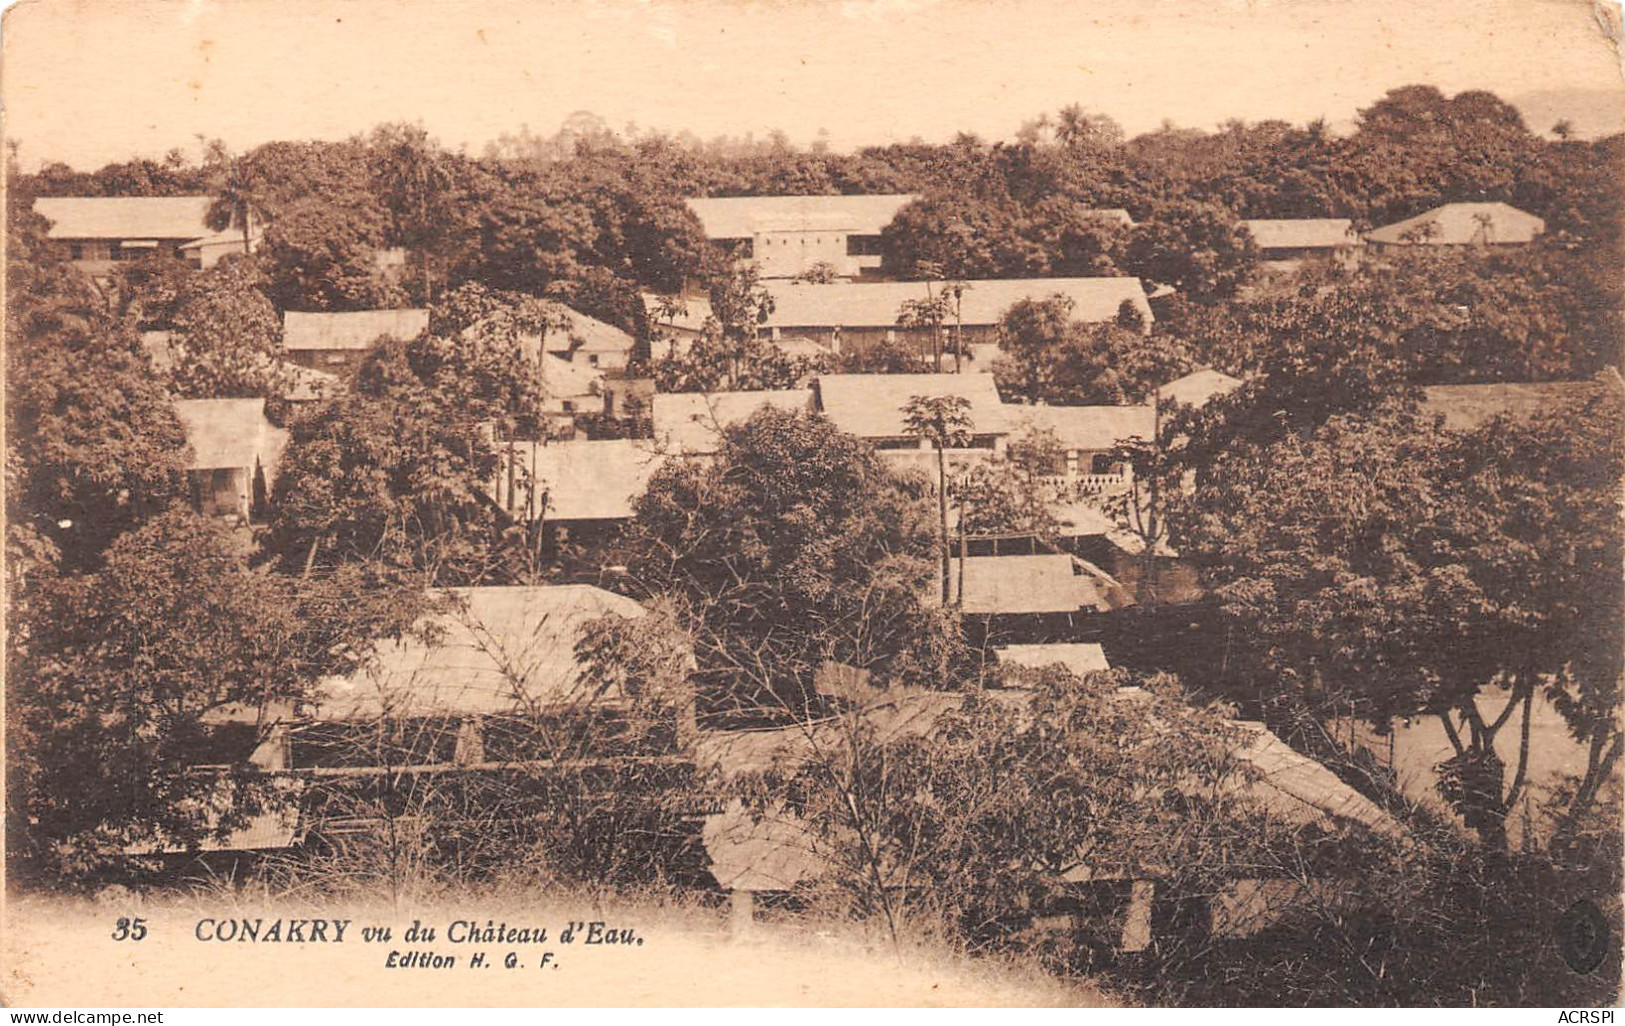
234, 454
1087, 436
587, 341
574, 490
854, 317
871, 406
788, 236
1459, 225
339, 341
100, 232
692, 423
1289, 243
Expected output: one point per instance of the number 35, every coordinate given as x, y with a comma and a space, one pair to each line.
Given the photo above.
129, 929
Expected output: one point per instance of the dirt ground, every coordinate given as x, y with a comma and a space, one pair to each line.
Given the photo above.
61, 953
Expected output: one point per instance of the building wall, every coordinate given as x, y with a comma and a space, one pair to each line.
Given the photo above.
789, 254
1286, 258
602, 359
333, 361
859, 341
213, 253
101, 256
222, 491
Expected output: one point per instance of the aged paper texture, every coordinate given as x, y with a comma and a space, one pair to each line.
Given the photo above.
825, 503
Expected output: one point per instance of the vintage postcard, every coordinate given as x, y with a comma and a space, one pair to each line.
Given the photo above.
813, 503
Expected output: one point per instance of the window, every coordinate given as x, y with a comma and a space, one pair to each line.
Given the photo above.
1101, 463
592, 358
863, 245
568, 405
76, 251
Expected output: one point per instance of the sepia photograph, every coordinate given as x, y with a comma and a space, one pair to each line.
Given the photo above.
813, 503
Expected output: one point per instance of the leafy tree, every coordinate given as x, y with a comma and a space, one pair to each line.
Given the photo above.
1080, 241
927, 315
93, 445
1077, 128
730, 355
796, 547
110, 693
146, 290
227, 338
1154, 479
323, 255
960, 236
972, 813
239, 189
1048, 357
417, 183
888, 356
393, 471
483, 354
821, 273
1198, 248
1386, 570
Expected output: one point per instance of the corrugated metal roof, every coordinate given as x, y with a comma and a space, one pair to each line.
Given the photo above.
692, 423
225, 237
871, 405
1301, 790
126, 217
778, 852
565, 379
876, 304
691, 315
1087, 428
1197, 387
739, 217
575, 480
1463, 224
1022, 585
230, 434
501, 649
357, 329
1080, 658
585, 334
1302, 233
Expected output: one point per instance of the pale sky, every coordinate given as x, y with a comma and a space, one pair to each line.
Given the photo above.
89, 81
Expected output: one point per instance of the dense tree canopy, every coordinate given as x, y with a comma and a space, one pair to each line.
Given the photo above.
795, 548
111, 689
1385, 568
226, 337
1048, 357
93, 445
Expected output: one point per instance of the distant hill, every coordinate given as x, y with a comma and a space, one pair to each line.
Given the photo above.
1593, 112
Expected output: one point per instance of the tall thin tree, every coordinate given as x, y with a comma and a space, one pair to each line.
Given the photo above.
945, 422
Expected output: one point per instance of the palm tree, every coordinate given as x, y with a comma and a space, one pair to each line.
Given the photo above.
945, 421
239, 198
